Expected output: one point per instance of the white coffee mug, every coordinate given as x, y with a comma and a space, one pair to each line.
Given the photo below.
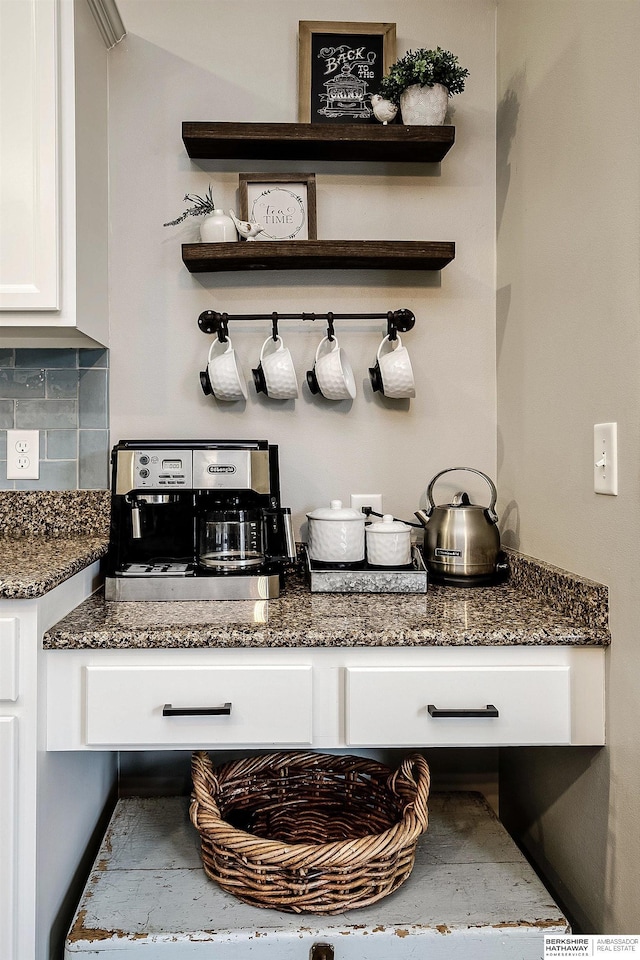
393, 374
225, 376
332, 374
275, 374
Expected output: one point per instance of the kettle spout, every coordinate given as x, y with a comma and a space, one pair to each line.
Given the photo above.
422, 516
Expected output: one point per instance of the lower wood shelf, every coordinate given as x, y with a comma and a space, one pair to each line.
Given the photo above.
318, 255
471, 893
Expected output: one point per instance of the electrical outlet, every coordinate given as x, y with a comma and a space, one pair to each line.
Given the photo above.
23, 454
361, 500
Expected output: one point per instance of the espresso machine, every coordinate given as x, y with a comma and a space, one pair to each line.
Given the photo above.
197, 520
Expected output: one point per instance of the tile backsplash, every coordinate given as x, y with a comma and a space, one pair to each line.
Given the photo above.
63, 393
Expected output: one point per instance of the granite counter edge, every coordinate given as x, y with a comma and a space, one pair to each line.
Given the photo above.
266, 639
29, 587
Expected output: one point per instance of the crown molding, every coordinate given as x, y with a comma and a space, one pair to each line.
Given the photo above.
107, 16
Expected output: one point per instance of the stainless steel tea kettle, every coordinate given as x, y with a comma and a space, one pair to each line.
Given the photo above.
462, 542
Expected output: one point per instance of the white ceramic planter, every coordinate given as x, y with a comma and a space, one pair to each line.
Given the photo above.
424, 105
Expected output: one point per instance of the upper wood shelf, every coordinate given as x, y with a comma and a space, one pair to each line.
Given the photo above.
318, 255
317, 141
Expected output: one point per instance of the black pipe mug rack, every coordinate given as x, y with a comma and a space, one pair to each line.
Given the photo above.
215, 322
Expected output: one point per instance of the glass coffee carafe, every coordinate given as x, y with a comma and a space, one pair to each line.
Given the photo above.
230, 535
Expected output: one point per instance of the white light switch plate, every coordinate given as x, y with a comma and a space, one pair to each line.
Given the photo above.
605, 458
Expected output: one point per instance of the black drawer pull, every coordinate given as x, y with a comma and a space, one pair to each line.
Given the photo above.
488, 711
170, 711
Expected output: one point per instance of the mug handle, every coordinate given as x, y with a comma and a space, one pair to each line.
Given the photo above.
333, 346
319, 347
386, 339
227, 344
269, 340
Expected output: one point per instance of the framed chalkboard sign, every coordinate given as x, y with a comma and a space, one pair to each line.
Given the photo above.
339, 66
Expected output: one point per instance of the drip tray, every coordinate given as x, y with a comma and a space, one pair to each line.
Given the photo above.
367, 579
156, 570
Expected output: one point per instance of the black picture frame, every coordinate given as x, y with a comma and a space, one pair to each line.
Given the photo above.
339, 66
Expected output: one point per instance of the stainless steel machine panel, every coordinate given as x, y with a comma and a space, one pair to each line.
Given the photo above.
154, 469
231, 470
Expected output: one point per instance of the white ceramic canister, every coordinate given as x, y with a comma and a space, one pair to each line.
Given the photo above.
336, 534
388, 543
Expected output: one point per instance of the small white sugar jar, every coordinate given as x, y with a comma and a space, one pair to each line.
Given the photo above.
388, 543
336, 534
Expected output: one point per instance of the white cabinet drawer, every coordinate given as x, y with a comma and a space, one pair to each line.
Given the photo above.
390, 706
9, 658
259, 705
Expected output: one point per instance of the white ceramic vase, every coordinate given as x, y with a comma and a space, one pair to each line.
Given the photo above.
424, 105
217, 227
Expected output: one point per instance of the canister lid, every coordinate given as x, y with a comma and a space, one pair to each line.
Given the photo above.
336, 512
388, 525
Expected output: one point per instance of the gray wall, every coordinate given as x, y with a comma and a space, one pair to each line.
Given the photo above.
568, 357
193, 60
64, 394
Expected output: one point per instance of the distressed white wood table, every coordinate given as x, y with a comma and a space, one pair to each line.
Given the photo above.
471, 896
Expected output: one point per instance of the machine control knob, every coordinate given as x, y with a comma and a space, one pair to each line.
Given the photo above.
144, 459
144, 473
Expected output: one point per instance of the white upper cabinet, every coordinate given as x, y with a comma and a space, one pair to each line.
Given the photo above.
53, 170
29, 216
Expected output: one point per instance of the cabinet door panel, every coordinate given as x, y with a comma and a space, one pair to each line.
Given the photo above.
268, 705
8, 658
29, 242
391, 706
8, 808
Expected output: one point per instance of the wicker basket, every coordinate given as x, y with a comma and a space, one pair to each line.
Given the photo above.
309, 832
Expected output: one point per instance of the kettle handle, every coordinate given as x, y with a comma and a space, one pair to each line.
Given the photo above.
491, 509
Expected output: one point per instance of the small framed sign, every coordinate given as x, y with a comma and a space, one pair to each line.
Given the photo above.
339, 66
284, 204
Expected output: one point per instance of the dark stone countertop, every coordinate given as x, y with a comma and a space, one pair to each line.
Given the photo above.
47, 537
31, 566
509, 614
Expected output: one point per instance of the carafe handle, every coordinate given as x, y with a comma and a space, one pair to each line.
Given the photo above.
491, 509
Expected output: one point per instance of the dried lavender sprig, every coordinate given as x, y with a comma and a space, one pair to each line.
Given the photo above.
201, 206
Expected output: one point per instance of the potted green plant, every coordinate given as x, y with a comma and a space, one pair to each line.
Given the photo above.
216, 226
421, 83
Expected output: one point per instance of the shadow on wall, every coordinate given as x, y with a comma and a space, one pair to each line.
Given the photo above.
503, 306
510, 526
506, 126
551, 775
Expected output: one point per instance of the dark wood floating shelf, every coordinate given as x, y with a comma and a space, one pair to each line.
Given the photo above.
318, 255
317, 141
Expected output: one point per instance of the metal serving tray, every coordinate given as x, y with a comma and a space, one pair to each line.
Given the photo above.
366, 579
